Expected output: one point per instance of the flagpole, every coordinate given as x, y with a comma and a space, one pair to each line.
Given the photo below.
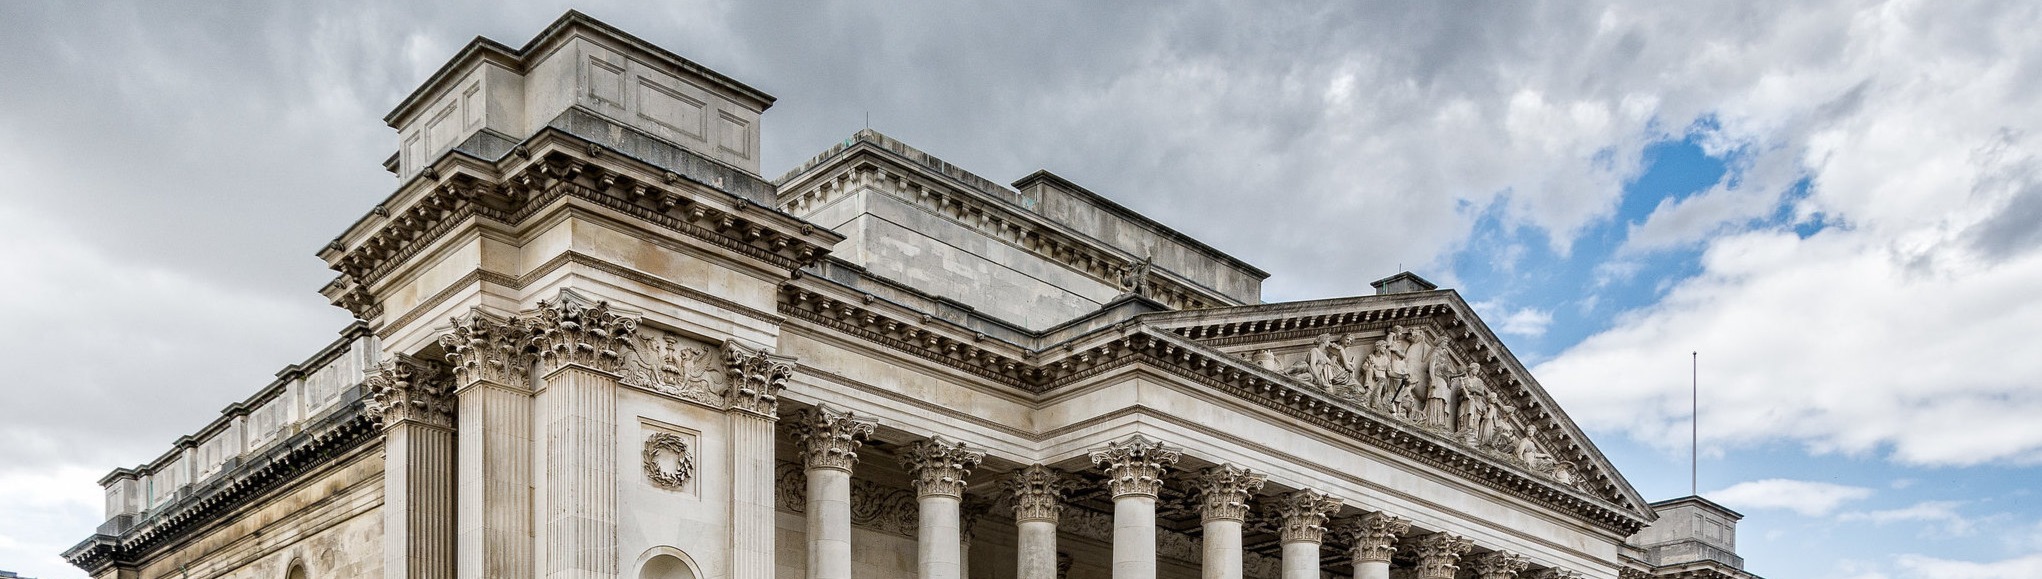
1694, 424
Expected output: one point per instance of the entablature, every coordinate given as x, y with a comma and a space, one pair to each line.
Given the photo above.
547, 168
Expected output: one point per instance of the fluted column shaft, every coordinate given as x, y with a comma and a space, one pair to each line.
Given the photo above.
580, 408
756, 378
492, 391
1304, 515
1135, 470
411, 402
829, 440
1038, 504
1224, 493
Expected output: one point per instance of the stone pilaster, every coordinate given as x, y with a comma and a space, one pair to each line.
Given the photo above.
939, 467
1440, 553
1375, 538
1134, 470
580, 349
1303, 529
412, 403
755, 377
1038, 503
492, 368
1223, 494
829, 440
1499, 565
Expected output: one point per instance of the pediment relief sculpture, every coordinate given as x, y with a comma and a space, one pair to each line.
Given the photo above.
1417, 375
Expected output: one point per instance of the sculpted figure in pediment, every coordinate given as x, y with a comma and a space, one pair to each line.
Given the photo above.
1440, 372
1474, 422
1374, 377
1528, 451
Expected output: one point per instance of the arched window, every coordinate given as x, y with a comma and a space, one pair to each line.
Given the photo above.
665, 566
297, 572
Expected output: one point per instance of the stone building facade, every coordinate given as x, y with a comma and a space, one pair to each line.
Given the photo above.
594, 341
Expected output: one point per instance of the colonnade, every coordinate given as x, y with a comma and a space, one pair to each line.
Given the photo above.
1135, 474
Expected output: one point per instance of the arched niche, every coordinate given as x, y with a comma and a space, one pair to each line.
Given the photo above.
666, 563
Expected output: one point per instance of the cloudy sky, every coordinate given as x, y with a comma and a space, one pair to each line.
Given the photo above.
1837, 204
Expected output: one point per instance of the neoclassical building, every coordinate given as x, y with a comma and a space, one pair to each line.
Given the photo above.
594, 341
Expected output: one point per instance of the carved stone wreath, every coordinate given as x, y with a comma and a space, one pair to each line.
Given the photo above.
684, 464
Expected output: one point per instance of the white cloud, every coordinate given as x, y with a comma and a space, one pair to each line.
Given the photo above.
1809, 498
38, 501
1924, 567
1884, 332
1942, 514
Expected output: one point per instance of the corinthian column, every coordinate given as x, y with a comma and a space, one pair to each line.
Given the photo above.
1223, 493
939, 467
829, 440
493, 394
1438, 554
1375, 540
410, 400
1499, 565
756, 378
1304, 528
1038, 502
1134, 470
579, 350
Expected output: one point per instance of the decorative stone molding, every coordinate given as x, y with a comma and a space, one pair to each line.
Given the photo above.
665, 363
874, 506
407, 390
1224, 490
568, 332
1375, 535
1304, 514
939, 466
1038, 493
1135, 466
829, 437
1438, 554
756, 378
663, 443
1550, 573
483, 348
1499, 565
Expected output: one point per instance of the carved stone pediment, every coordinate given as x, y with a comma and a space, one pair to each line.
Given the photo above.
1425, 362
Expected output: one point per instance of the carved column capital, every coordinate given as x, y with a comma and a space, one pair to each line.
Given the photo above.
408, 390
1554, 574
567, 332
1375, 535
1438, 554
939, 466
484, 348
1135, 466
756, 378
1499, 565
1223, 492
1038, 493
829, 437
1304, 516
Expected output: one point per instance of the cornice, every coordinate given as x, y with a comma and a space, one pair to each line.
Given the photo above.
1167, 349
865, 165
550, 167
333, 437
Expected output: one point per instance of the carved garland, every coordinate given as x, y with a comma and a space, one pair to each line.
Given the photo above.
663, 443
